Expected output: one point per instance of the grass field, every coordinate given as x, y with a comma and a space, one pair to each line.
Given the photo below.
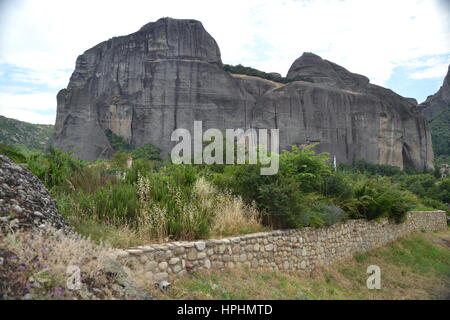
415, 267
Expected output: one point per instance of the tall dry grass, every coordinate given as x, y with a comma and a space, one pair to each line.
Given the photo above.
206, 208
231, 215
53, 250
152, 220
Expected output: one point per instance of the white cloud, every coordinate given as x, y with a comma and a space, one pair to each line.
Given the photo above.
30, 107
27, 116
438, 71
30, 101
44, 37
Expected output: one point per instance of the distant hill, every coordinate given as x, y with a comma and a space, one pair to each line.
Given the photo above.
440, 134
437, 110
24, 135
439, 101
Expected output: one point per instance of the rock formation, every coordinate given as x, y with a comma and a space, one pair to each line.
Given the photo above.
313, 68
438, 102
24, 201
169, 73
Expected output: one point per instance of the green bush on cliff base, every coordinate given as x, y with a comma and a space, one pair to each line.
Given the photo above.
160, 200
121, 146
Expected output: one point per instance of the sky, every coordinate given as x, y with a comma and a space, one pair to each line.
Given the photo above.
403, 44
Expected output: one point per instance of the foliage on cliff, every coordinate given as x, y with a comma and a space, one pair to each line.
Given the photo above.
240, 69
120, 146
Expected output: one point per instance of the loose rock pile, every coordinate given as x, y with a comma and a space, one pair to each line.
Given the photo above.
31, 229
24, 201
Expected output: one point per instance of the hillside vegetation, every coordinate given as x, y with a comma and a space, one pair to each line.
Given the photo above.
249, 71
440, 134
156, 200
23, 135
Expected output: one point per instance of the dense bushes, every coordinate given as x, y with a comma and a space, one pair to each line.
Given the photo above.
373, 198
122, 147
430, 188
53, 167
155, 200
362, 166
306, 192
322, 214
147, 152
284, 196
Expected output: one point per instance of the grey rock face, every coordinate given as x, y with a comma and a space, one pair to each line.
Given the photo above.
438, 102
24, 201
169, 73
313, 68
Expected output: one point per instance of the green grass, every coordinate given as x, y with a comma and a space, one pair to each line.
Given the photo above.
420, 255
415, 267
422, 208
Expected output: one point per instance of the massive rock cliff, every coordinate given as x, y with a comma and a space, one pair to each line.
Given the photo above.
439, 101
169, 73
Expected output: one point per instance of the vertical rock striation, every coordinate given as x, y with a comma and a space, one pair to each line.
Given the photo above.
169, 73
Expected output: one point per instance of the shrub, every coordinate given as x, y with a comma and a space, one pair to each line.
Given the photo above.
140, 167
275, 194
12, 153
336, 186
240, 69
89, 179
120, 159
305, 167
285, 195
419, 184
322, 214
374, 198
117, 142
54, 167
169, 194
362, 166
146, 151
113, 203
167, 209
435, 204
443, 190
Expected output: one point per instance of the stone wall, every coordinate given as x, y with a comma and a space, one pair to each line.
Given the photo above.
297, 249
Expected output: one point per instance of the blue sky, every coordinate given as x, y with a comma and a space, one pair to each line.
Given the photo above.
419, 82
403, 44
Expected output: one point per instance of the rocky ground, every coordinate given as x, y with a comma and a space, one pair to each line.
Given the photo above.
24, 201
37, 248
